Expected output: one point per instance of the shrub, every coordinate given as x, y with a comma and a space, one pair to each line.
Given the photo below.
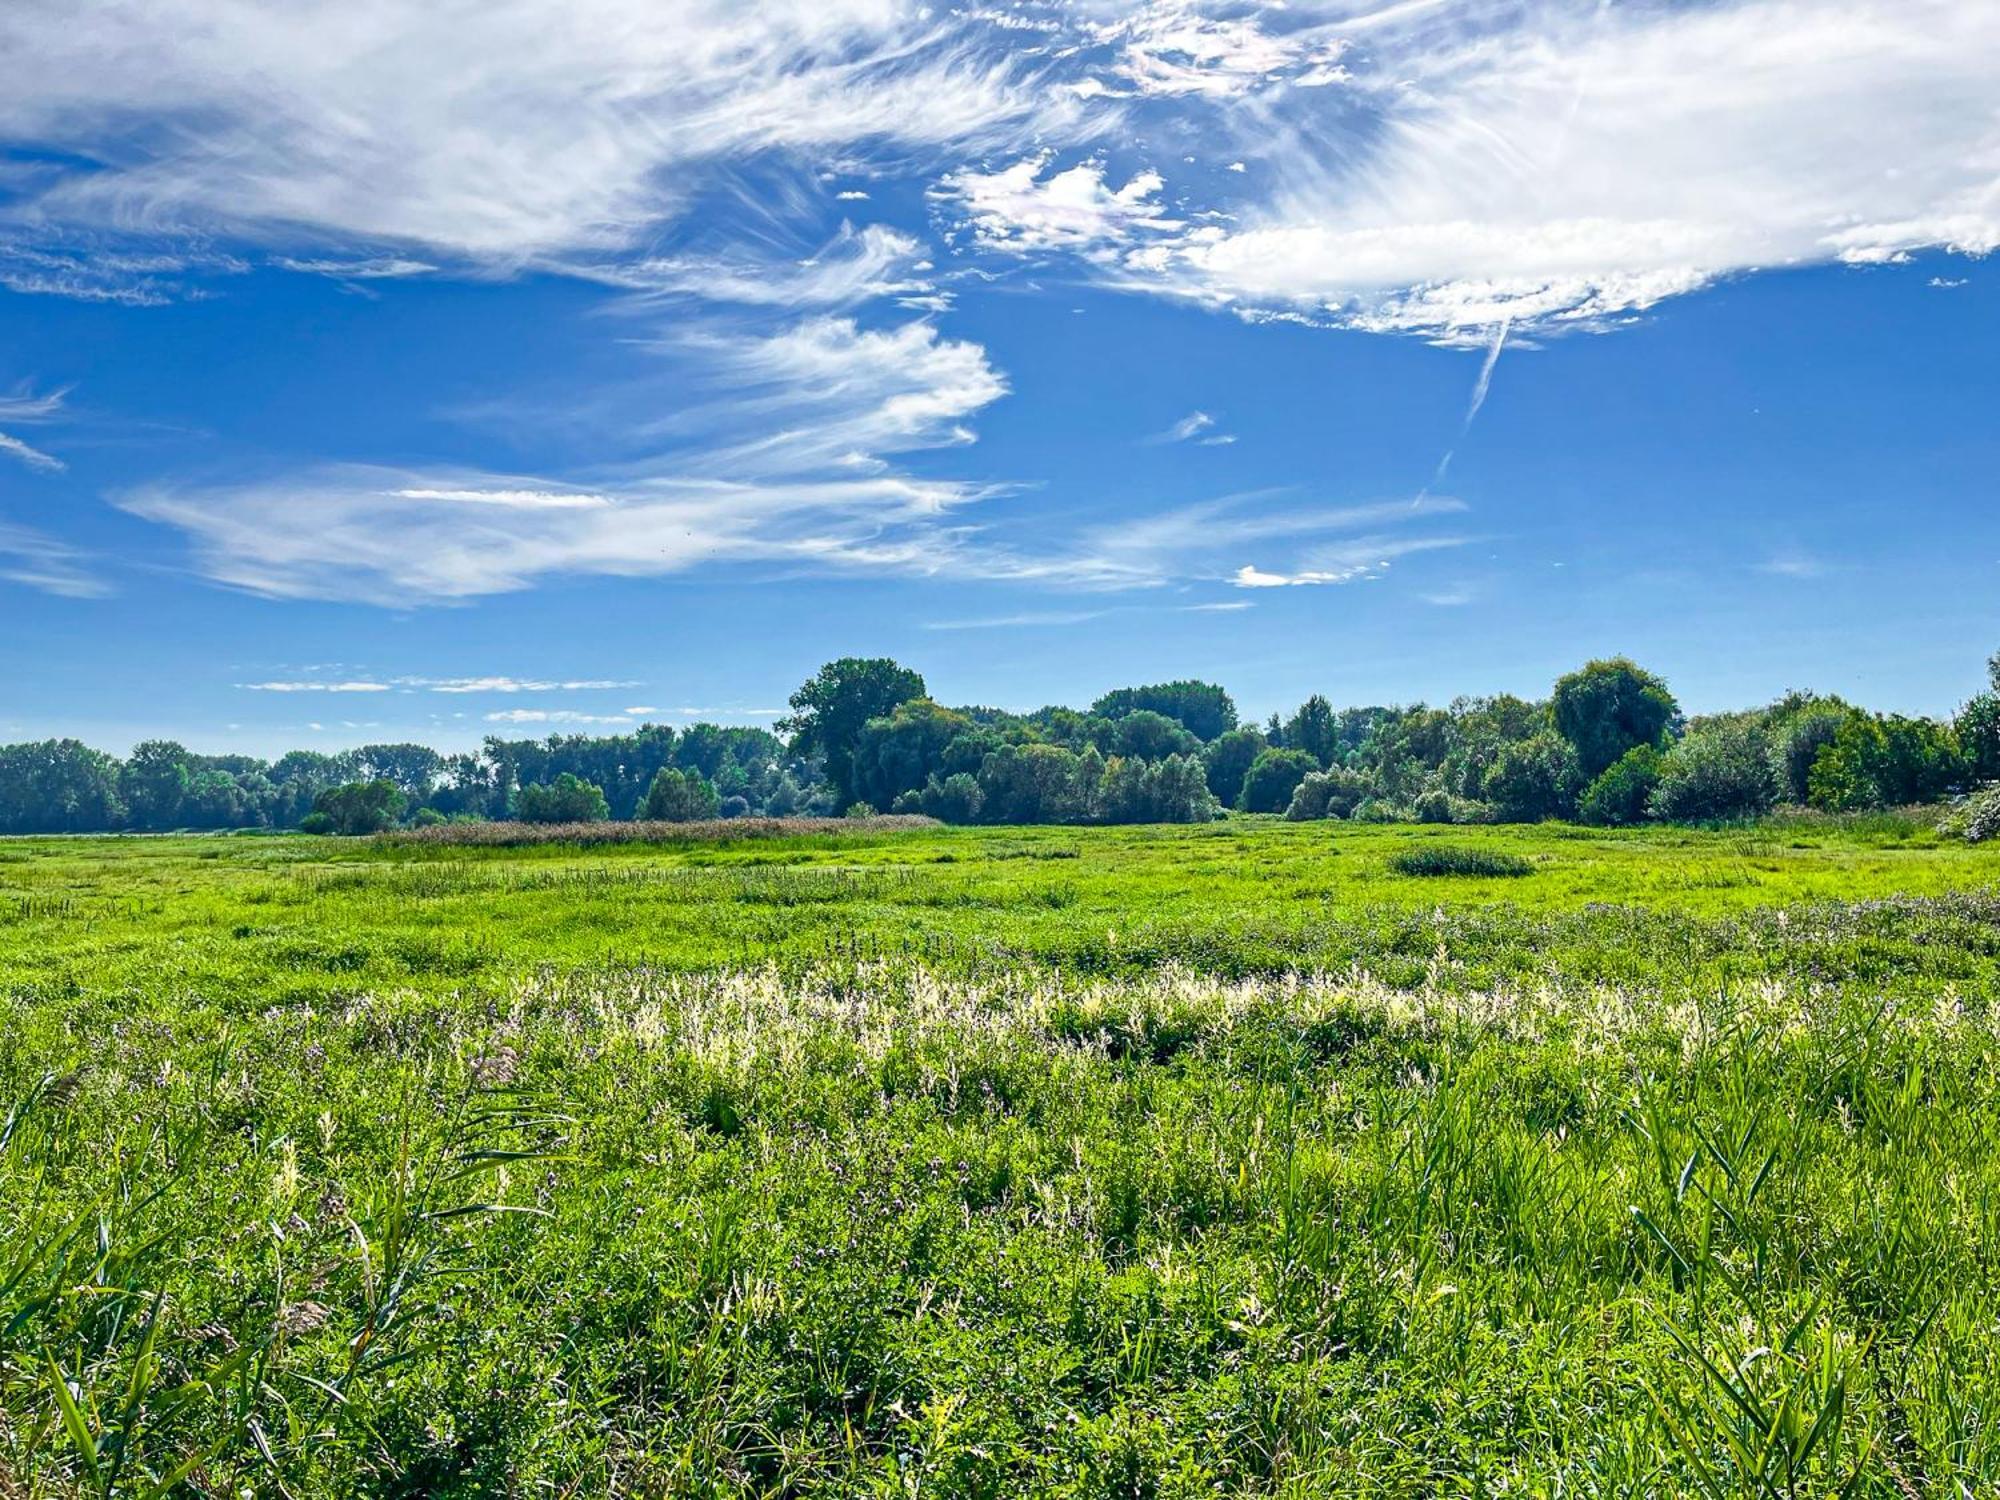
316, 822
680, 797
1453, 859
734, 807
1330, 794
426, 817
1796, 744
1721, 771
1534, 779
1979, 820
567, 799
1883, 761
358, 807
1272, 779
1978, 727
1621, 795
955, 799
1434, 806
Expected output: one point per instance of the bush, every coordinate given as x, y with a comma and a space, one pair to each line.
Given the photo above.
680, 797
357, 807
1534, 779
734, 807
1330, 794
955, 799
567, 799
1272, 779
1434, 806
1885, 761
1796, 744
1452, 859
1978, 821
426, 817
1721, 771
316, 822
1622, 794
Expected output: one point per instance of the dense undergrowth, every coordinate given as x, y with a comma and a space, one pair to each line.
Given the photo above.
449, 1176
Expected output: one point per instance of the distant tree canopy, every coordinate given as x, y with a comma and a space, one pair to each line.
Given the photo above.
356, 807
1201, 708
567, 799
864, 733
830, 712
1607, 708
680, 796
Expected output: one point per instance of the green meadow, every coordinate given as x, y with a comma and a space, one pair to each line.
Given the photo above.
1265, 1158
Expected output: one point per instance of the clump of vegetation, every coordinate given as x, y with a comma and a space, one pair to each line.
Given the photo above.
1978, 821
599, 831
1453, 859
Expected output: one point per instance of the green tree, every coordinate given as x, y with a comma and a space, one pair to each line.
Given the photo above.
900, 751
1717, 771
154, 781
1607, 707
1883, 760
1031, 784
1272, 778
1203, 709
1314, 730
58, 786
1798, 738
680, 797
567, 799
1148, 735
357, 807
1333, 793
1978, 727
1534, 779
1623, 793
829, 712
1226, 761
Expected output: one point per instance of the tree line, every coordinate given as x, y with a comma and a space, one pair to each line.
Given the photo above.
1610, 745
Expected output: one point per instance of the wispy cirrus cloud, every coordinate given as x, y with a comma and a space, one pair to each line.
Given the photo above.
23, 408
789, 466
36, 560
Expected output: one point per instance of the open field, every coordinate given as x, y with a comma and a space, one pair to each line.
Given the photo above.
1000, 1161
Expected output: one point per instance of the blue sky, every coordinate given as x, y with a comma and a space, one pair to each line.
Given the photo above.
415, 371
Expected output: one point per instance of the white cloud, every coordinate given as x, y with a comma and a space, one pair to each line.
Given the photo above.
39, 561
1175, 49
516, 685
505, 131
553, 716
1024, 620
855, 266
1572, 164
1194, 423
1026, 209
790, 466
309, 686
375, 268
23, 407
1345, 562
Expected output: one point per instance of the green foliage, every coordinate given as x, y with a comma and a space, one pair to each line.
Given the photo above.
1878, 760
1533, 780
1716, 772
1314, 730
1796, 742
1609, 707
1201, 708
956, 798
57, 786
567, 799
1146, 735
1272, 779
899, 752
358, 807
1980, 820
1452, 859
1623, 794
1330, 794
830, 712
1978, 731
678, 796
1226, 760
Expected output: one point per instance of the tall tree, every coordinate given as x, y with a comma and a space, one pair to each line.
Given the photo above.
829, 712
154, 782
1608, 707
1203, 709
1313, 730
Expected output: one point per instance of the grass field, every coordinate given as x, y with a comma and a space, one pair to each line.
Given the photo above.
1255, 1158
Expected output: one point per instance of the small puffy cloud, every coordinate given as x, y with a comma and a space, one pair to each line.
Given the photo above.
1027, 209
312, 685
